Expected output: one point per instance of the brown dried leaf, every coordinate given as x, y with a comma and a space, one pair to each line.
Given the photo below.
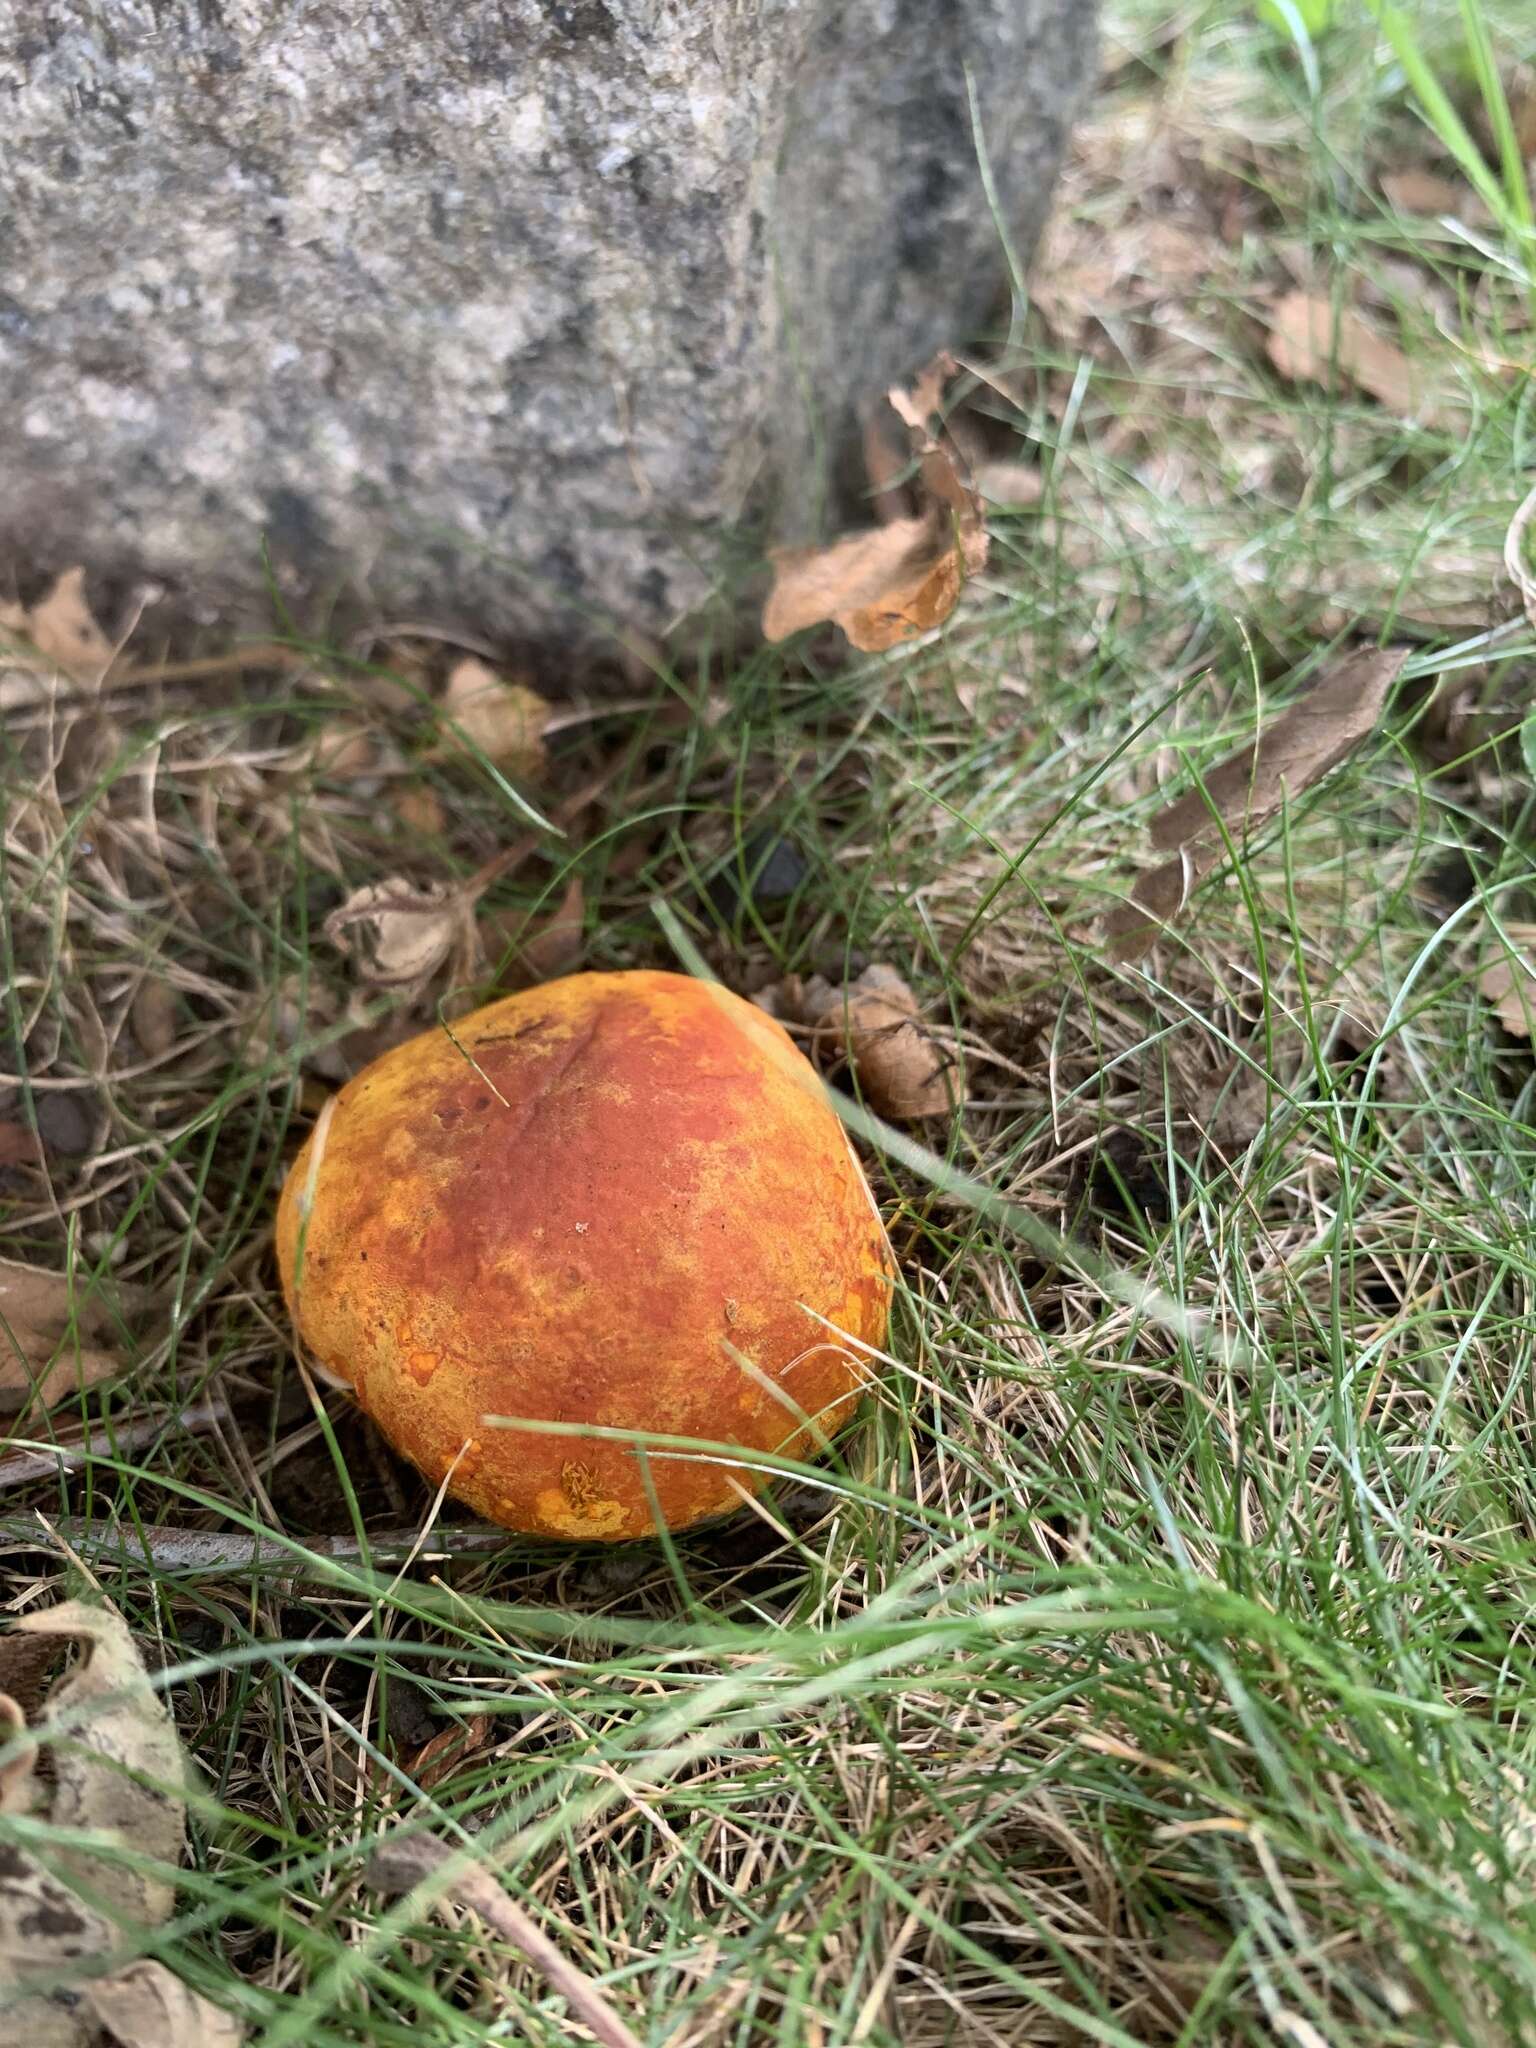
449, 1750
1015, 484
901, 1071
1507, 978
1426, 192
144, 2006
343, 746
19, 1146
420, 810
117, 1773
400, 935
901, 579
61, 628
43, 1357
1250, 787
153, 1015
555, 947
1309, 340
120, 1774
505, 720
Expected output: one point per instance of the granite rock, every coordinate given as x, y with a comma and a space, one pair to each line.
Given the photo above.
531, 313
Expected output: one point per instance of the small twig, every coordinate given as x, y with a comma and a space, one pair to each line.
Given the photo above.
220, 1550
406, 1863
69, 1455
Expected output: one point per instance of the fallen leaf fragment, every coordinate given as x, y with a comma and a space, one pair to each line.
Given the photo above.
420, 810
1309, 340
901, 1070
1507, 978
905, 577
1250, 787
555, 946
857, 582
117, 1773
56, 1337
1017, 485
1519, 562
343, 747
404, 1863
505, 720
61, 628
19, 1146
145, 2006
399, 934
1426, 192
153, 1015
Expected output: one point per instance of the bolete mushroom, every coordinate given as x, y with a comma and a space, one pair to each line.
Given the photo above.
616, 1200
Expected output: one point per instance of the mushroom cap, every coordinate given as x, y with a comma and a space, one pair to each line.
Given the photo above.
615, 1200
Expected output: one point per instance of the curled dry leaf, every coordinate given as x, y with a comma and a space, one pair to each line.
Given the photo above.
901, 1070
61, 629
117, 1773
399, 935
56, 1336
1507, 978
1250, 787
901, 579
1311, 340
505, 720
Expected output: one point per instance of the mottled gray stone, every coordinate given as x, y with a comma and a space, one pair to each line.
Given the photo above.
509, 309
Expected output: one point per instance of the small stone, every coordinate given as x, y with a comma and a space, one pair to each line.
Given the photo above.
65, 1122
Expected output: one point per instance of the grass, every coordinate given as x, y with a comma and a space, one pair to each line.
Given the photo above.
1126, 1677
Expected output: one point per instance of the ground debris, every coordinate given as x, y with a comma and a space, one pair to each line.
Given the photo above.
59, 1336
901, 579
398, 934
59, 631
1311, 340
1507, 978
503, 719
876, 1020
117, 1774
1250, 787
408, 1862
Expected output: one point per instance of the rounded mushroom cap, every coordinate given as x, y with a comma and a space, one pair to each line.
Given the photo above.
619, 1200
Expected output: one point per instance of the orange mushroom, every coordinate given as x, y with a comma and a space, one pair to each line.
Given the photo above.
616, 1200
